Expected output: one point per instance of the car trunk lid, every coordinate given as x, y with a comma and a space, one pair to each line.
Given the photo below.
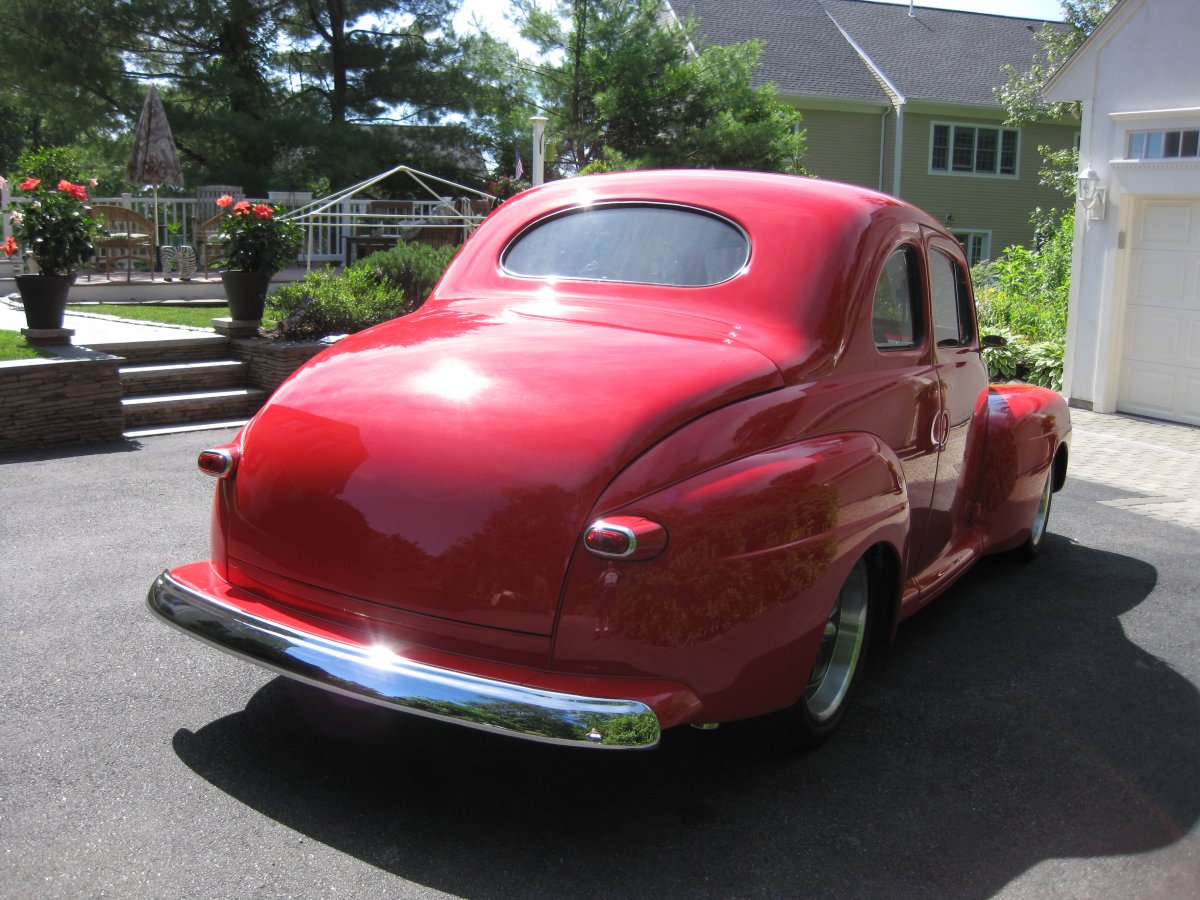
445, 464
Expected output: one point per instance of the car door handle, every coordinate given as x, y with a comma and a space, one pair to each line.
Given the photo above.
940, 430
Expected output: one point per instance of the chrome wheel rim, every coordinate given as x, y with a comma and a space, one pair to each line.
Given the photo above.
841, 645
1042, 516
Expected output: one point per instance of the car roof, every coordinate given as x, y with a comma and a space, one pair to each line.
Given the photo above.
814, 244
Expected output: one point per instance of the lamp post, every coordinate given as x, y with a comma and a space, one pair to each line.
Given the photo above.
539, 148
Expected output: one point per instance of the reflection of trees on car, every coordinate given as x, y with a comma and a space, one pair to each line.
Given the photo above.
701, 589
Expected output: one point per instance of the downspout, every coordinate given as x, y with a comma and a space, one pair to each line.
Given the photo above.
882, 147
893, 94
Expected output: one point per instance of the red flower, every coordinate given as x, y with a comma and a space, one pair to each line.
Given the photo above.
263, 211
241, 208
224, 200
10, 245
75, 190
30, 183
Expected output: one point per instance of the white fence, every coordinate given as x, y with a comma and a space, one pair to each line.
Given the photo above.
326, 232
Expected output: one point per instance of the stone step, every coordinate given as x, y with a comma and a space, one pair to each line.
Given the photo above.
181, 377
191, 408
203, 346
211, 425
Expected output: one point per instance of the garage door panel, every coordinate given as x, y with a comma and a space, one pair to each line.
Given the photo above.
1155, 338
1150, 390
1191, 400
1167, 225
1165, 279
1160, 355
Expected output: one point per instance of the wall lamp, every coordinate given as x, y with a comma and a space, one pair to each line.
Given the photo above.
1091, 195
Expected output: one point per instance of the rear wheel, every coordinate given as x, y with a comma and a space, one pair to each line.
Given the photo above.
1041, 518
839, 661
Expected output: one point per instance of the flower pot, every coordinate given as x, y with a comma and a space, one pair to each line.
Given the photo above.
45, 299
246, 293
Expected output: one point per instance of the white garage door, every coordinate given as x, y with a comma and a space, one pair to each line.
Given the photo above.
1160, 359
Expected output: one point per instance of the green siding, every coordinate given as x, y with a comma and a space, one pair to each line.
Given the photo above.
978, 202
889, 152
842, 146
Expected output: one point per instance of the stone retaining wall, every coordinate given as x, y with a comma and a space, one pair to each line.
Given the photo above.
53, 402
271, 362
76, 398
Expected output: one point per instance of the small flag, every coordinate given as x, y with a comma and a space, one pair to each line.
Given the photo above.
520, 170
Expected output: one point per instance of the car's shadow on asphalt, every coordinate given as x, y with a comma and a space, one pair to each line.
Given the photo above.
1013, 722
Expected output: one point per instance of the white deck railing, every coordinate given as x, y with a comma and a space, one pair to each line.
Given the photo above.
329, 222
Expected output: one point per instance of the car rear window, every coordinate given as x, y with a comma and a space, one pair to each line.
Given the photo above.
642, 244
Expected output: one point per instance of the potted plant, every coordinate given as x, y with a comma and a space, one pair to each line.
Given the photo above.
53, 224
258, 243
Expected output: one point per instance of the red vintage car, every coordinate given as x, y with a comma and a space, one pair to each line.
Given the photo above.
662, 448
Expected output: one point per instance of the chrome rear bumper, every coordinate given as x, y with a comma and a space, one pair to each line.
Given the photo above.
381, 677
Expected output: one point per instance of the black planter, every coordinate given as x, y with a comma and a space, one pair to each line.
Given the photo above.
246, 293
45, 299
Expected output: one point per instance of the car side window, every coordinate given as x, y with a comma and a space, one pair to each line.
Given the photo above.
894, 314
952, 321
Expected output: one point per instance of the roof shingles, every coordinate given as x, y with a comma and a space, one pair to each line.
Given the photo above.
936, 55
803, 52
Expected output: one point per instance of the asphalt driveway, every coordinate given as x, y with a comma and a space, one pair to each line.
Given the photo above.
1034, 733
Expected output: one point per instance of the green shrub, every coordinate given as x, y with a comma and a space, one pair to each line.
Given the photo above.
1022, 296
413, 268
329, 302
380, 287
1039, 362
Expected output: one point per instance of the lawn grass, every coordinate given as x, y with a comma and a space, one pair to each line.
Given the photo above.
195, 316
13, 347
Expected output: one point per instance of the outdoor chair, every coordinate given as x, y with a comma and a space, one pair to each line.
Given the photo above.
128, 236
380, 233
447, 227
210, 243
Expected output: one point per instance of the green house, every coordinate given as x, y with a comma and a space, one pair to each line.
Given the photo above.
901, 99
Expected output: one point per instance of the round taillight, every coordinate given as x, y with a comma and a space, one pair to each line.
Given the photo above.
625, 537
218, 462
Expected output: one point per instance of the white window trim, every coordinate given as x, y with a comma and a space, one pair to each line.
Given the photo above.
976, 125
970, 233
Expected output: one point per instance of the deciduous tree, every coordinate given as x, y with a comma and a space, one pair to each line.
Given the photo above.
617, 77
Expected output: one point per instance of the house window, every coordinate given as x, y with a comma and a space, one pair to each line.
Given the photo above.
973, 150
977, 245
1174, 144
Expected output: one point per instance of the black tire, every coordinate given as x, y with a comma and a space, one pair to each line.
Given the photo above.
839, 663
1041, 520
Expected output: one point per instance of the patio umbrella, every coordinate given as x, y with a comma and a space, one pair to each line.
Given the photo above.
154, 160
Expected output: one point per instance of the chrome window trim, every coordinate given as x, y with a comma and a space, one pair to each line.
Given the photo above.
606, 204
